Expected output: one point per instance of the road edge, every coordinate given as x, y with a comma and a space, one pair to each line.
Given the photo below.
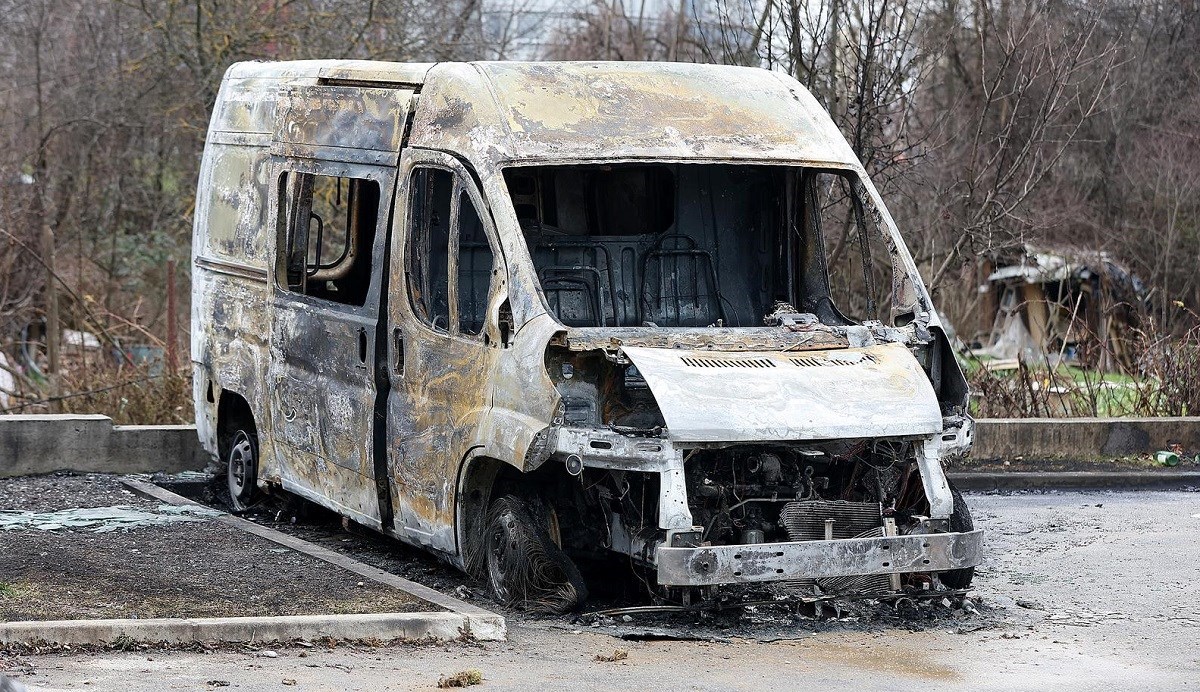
1074, 480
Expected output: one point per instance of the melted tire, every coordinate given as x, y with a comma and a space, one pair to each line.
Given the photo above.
523, 566
960, 520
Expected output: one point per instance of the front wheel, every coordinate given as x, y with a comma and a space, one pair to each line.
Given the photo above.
241, 470
960, 521
525, 568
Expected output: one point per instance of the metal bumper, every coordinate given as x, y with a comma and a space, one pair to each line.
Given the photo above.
729, 564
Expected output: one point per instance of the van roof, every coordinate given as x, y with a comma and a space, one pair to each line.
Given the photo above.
513, 112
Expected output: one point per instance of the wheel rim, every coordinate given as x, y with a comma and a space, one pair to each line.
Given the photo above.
241, 466
500, 547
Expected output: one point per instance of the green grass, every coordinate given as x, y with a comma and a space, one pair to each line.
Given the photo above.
1106, 394
1115, 394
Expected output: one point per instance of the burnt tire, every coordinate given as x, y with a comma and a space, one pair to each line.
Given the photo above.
241, 470
960, 520
523, 566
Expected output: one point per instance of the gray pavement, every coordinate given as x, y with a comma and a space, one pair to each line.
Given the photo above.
1082, 591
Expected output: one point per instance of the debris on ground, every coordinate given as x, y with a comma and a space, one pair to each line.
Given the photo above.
465, 678
103, 519
616, 655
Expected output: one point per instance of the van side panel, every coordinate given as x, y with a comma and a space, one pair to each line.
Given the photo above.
230, 252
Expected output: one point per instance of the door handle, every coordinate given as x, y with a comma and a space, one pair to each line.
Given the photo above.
398, 347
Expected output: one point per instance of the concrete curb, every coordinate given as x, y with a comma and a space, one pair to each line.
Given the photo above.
282, 628
1075, 480
1081, 438
461, 619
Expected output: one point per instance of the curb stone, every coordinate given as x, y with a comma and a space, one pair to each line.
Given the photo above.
460, 619
1075, 480
381, 626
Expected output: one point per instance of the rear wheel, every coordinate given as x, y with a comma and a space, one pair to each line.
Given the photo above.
525, 568
241, 470
960, 520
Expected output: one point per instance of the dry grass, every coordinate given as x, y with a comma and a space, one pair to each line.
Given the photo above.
130, 394
465, 678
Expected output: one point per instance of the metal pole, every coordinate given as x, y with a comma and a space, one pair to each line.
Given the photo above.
53, 329
172, 319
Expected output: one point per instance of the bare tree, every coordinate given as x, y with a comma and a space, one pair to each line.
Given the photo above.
1019, 101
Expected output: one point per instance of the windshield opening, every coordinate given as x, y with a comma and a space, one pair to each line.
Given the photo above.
696, 245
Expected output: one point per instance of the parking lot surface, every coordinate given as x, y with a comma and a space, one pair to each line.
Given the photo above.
1078, 591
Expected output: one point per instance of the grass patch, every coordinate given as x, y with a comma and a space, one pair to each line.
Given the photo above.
1004, 389
14, 590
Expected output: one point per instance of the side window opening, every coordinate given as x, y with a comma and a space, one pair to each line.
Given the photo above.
446, 236
475, 265
330, 234
428, 251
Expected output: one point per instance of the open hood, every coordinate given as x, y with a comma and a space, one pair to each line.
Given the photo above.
717, 396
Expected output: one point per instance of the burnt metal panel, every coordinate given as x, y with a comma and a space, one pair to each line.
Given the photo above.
885, 395
322, 375
624, 110
729, 564
341, 117
442, 383
373, 71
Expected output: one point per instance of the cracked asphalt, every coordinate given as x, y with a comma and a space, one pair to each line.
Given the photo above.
1078, 591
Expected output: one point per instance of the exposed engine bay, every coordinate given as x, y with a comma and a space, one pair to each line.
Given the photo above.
627, 473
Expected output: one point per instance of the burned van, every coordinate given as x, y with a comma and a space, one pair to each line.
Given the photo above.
535, 316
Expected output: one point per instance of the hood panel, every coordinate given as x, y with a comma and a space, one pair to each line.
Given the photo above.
708, 396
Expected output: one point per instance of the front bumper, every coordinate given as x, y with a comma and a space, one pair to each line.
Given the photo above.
729, 564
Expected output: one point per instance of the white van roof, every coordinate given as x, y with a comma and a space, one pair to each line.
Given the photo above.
512, 112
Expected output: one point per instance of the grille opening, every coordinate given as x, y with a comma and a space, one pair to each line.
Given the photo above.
836, 359
728, 362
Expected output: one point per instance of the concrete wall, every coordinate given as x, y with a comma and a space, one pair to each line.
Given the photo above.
34, 444
1081, 438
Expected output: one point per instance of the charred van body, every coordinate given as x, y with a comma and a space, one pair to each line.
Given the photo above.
527, 314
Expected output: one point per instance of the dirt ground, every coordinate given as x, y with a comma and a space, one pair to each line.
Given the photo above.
297, 517
195, 569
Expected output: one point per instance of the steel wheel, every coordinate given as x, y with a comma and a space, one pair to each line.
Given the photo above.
501, 549
242, 471
524, 567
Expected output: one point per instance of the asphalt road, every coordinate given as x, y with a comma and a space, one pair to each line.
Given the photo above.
1079, 591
